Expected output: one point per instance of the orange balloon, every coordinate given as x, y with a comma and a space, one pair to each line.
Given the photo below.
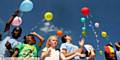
59, 33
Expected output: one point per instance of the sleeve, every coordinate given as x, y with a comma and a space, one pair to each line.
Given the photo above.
38, 47
75, 47
35, 52
20, 46
63, 46
13, 43
7, 38
44, 49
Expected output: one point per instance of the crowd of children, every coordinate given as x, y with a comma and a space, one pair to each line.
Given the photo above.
11, 46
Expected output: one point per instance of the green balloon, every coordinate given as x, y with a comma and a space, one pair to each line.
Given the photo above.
82, 19
101, 52
84, 28
98, 41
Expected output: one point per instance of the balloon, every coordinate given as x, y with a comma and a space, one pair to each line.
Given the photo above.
97, 25
82, 19
84, 33
17, 21
101, 52
59, 33
104, 34
26, 6
47, 24
85, 11
48, 16
98, 41
90, 25
83, 28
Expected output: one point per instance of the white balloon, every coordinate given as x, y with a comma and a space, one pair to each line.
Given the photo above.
97, 25
17, 21
47, 24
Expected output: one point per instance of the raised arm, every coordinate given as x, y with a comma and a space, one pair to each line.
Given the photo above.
45, 53
7, 26
68, 56
117, 44
92, 55
39, 37
15, 53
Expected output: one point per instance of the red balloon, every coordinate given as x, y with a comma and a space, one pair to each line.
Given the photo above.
85, 11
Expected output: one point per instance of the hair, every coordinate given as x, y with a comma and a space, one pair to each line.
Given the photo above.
117, 48
107, 55
48, 44
17, 29
63, 39
25, 37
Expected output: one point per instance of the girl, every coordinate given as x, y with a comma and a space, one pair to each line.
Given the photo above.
50, 52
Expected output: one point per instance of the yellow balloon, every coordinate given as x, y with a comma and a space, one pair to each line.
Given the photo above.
48, 16
84, 33
104, 34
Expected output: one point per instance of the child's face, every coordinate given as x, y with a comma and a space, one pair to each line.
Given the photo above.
29, 40
68, 38
53, 42
16, 33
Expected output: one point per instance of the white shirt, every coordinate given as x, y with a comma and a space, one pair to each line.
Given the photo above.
54, 54
3, 49
70, 48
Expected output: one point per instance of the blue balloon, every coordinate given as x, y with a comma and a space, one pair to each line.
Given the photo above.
26, 6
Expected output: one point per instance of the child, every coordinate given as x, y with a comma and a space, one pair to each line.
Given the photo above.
9, 43
28, 49
50, 52
68, 50
117, 44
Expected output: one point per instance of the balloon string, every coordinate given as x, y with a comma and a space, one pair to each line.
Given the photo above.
95, 33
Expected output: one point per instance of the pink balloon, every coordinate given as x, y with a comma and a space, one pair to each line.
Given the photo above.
17, 21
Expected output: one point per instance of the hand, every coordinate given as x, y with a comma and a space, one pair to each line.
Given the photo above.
16, 12
48, 51
82, 55
34, 33
81, 42
8, 45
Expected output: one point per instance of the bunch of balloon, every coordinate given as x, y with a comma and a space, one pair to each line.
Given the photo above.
26, 6
83, 20
85, 11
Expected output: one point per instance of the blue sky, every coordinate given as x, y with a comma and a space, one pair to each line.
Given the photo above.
67, 16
